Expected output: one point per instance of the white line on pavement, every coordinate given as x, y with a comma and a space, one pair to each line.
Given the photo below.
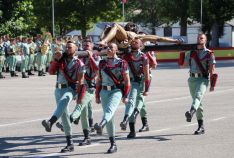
148, 102
217, 119
44, 155
17, 123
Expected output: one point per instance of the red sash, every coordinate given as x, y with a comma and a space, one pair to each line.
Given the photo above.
199, 64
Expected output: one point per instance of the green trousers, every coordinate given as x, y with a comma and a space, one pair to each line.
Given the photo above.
63, 98
110, 101
90, 110
49, 58
2, 61
31, 61
41, 61
81, 110
198, 87
24, 63
140, 102
12, 62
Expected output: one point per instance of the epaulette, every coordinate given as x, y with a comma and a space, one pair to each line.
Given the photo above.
210, 51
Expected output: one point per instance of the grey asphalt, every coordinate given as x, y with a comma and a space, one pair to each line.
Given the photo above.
24, 103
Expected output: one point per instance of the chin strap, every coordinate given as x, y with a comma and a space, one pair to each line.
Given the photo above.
81, 92
147, 85
181, 58
54, 65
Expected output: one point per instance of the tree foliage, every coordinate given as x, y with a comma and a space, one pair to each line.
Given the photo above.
17, 18
215, 14
145, 12
79, 14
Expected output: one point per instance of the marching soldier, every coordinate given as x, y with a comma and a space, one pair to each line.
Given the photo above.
70, 82
6, 44
113, 84
42, 50
141, 105
12, 51
32, 49
202, 66
2, 57
18, 51
49, 56
38, 42
24, 57
82, 110
139, 67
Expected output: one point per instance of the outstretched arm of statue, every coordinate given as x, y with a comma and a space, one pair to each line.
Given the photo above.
116, 31
154, 38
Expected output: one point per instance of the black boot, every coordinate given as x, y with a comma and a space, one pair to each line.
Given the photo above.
200, 129
91, 125
87, 140
13, 74
132, 133
70, 146
24, 75
49, 123
35, 68
30, 72
145, 126
99, 127
43, 73
124, 123
113, 147
40, 73
76, 121
7, 69
60, 126
1, 76
189, 114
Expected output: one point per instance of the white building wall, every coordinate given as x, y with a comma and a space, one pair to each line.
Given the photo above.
226, 39
232, 36
159, 31
192, 33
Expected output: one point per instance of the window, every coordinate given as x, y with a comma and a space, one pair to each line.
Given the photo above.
167, 31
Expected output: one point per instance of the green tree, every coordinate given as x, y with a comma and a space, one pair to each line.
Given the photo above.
79, 14
176, 10
215, 14
145, 12
17, 18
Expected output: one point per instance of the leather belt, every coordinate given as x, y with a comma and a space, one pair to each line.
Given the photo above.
62, 85
196, 75
108, 88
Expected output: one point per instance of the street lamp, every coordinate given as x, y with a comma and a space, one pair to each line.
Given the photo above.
53, 18
201, 16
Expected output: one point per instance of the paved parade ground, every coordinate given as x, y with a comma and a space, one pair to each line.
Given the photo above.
24, 103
